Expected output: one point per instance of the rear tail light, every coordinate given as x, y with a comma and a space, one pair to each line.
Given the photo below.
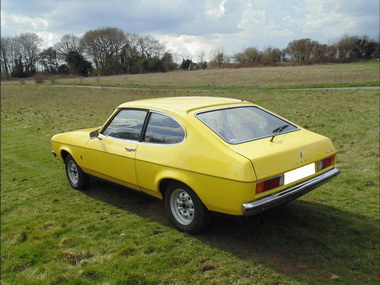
269, 184
326, 162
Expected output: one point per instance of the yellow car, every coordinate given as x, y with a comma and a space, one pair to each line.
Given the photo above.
200, 155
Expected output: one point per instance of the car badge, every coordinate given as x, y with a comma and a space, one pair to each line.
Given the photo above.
301, 154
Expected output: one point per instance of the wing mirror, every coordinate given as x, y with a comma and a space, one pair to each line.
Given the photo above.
94, 134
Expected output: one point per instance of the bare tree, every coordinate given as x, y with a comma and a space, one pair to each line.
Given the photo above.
202, 56
11, 55
132, 46
176, 56
218, 58
6, 55
151, 47
202, 64
19, 54
129, 53
29, 50
68, 43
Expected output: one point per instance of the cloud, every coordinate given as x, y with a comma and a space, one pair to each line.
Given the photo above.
27, 22
187, 46
216, 8
335, 18
189, 27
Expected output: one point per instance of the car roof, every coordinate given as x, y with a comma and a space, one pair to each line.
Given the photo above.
181, 104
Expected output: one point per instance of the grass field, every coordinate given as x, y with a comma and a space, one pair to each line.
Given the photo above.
52, 234
352, 74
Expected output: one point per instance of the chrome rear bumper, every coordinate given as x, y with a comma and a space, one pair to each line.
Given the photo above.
289, 194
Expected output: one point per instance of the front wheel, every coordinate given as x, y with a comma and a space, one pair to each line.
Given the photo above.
77, 178
185, 210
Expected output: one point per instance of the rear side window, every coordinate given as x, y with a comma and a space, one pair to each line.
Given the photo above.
127, 124
162, 129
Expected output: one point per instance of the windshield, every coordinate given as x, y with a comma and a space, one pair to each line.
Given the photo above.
242, 124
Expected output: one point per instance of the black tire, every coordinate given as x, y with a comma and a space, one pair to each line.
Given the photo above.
77, 178
185, 210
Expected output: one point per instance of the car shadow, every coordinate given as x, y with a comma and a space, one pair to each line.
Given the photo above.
300, 239
127, 199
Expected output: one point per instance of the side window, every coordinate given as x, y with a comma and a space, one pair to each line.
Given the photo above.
163, 130
127, 124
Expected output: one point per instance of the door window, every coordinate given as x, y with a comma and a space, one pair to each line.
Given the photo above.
127, 124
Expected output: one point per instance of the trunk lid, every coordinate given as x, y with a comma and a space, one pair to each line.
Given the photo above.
285, 153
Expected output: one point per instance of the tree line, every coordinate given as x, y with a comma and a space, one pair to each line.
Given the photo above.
111, 51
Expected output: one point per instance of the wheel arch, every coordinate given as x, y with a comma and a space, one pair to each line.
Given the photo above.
163, 185
64, 153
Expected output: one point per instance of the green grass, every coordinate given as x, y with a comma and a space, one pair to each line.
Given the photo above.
52, 234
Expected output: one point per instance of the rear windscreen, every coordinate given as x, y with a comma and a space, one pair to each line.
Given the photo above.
242, 124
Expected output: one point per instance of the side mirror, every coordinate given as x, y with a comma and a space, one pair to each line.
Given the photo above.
94, 134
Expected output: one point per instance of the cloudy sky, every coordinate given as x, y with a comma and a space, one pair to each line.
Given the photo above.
188, 27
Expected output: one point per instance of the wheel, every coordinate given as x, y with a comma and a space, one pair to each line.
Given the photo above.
185, 210
77, 178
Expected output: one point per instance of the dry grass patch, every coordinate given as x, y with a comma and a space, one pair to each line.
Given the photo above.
260, 77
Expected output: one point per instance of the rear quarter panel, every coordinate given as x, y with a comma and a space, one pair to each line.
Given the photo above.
221, 178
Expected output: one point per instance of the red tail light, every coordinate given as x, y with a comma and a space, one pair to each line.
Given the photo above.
269, 184
326, 162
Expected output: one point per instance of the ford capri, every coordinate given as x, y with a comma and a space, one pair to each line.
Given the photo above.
200, 155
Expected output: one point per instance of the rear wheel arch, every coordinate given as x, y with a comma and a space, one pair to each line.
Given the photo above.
188, 181
165, 182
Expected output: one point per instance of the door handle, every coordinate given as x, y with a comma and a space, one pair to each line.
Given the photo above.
130, 148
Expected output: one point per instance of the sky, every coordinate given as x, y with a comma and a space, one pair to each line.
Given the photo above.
190, 27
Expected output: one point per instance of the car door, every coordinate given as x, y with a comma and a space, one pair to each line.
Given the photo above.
112, 154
